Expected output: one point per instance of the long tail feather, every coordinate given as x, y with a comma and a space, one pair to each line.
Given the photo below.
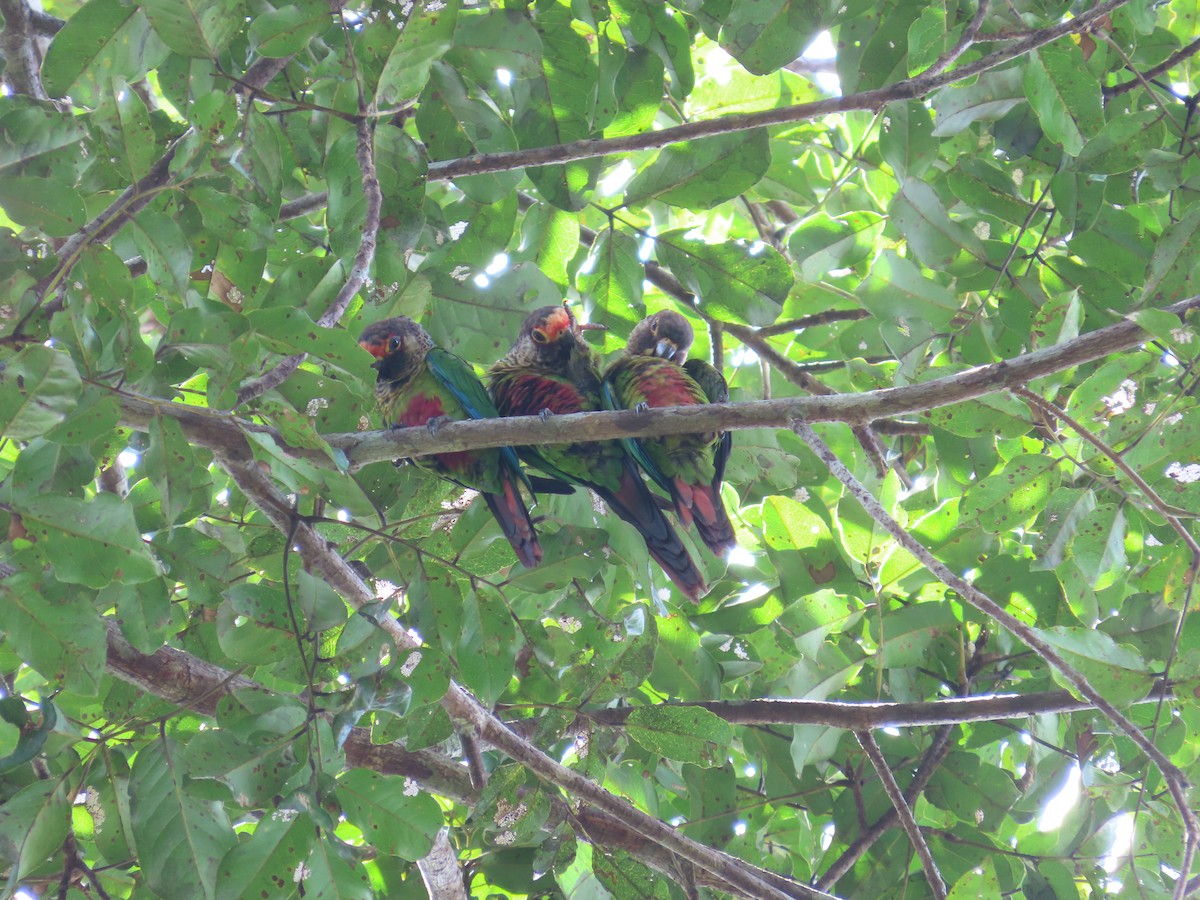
510, 512
636, 505
712, 522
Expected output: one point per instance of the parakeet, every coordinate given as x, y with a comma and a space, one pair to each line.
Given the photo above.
654, 371
420, 384
551, 368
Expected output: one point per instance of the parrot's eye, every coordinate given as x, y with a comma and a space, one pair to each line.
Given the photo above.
654, 326
393, 343
539, 336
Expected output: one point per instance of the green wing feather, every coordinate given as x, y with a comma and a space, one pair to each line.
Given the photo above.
611, 400
713, 383
456, 375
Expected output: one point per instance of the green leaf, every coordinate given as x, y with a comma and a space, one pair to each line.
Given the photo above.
974, 791
183, 485
39, 388
935, 238
980, 883
126, 122
27, 742
255, 625
161, 243
905, 634
453, 123
927, 39
1099, 545
986, 99
33, 825
703, 173
103, 39
767, 35
1064, 95
270, 860
897, 290
993, 415
46, 204
55, 631
822, 243
90, 542
1170, 272
684, 733
291, 331
181, 839
196, 28
487, 648
732, 280
612, 283
399, 818
283, 32
1122, 144
426, 35
1117, 671
1011, 497
638, 91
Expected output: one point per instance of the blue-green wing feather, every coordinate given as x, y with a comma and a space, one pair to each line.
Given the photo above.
456, 375
713, 383
608, 396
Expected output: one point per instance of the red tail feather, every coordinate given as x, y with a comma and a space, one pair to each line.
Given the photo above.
510, 512
635, 504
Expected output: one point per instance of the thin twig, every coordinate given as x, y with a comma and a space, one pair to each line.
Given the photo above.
867, 741
1170, 62
1176, 782
970, 33
359, 269
910, 89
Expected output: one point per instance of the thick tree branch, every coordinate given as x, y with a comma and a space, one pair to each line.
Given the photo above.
853, 409
877, 99
440, 872
1176, 782
868, 716
198, 685
324, 561
19, 50
220, 430
184, 679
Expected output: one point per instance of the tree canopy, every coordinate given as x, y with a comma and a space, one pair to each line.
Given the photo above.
944, 255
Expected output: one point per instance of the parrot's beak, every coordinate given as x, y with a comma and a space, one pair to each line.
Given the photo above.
666, 349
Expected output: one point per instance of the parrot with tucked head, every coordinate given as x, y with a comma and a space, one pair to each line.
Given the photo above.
421, 384
551, 369
654, 371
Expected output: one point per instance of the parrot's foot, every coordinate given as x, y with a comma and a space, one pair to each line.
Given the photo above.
437, 422
641, 407
545, 414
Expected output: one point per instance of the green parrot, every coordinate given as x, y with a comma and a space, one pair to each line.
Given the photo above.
420, 384
551, 370
654, 371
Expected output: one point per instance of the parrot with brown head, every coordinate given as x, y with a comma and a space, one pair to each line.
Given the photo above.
551, 370
654, 371
422, 384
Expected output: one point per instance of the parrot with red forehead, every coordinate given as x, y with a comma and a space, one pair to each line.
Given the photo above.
654, 371
551, 369
421, 384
